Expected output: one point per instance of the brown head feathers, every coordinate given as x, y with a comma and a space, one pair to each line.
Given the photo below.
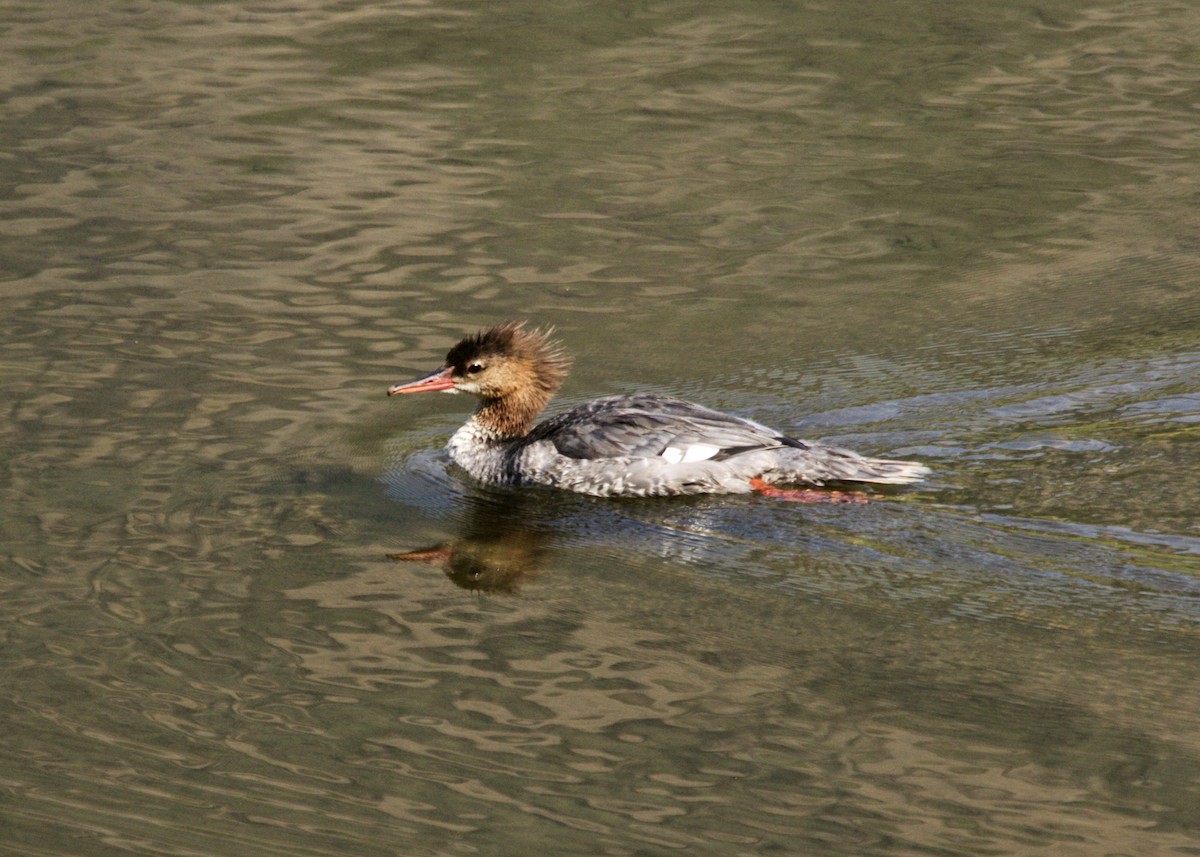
514, 372
542, 360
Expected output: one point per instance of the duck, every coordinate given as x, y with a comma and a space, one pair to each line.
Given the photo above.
642, 444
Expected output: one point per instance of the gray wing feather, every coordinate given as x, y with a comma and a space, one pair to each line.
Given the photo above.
642, 426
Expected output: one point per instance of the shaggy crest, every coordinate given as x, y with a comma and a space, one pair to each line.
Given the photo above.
512, 342
523, 369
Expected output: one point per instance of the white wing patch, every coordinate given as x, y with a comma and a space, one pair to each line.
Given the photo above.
693, 452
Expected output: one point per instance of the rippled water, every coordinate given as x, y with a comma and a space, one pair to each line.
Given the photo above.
249, 607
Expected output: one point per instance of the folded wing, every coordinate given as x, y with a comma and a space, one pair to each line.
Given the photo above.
651, 426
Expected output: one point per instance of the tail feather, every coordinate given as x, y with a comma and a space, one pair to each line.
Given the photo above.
817, 464
888, 472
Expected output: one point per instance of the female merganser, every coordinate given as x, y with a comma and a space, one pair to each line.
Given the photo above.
639, 445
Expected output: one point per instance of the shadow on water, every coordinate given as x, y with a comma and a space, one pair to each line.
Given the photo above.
497, 550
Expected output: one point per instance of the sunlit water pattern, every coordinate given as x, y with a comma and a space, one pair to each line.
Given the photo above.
250, 608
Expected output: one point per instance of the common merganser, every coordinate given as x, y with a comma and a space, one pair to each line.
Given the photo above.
637, 445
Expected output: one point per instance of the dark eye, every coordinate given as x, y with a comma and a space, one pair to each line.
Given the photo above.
474, 368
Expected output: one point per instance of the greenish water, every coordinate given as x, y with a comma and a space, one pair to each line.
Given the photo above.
964, 233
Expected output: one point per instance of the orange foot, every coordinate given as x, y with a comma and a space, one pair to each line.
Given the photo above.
807, 495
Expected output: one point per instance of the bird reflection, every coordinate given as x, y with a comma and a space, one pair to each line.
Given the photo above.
497, 552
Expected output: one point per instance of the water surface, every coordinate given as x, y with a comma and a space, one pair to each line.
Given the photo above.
962, 233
